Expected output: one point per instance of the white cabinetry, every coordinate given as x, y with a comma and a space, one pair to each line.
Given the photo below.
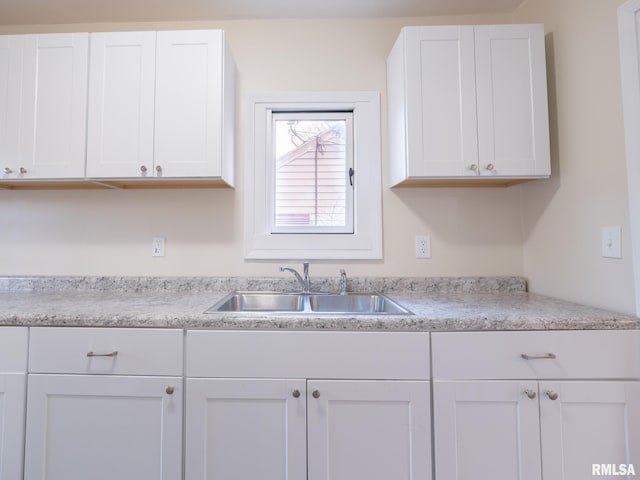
104, 404
468, 104
13, 368
43, 105
10, 84
255, 406
161, 105
368, 429
121, 104
500, 415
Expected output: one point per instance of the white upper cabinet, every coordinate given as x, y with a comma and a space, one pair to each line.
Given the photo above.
10, 78
161, 105
191, 121
121, 104
43, 105
468, 102
511, 85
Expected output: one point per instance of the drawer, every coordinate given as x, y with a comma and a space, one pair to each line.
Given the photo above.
13, 349
499, 355
286, 354
113, 351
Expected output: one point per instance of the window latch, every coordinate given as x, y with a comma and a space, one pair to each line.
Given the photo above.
351, 172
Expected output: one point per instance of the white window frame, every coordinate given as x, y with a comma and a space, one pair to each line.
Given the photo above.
366, 240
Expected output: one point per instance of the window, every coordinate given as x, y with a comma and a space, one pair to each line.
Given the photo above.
312, 163
313, 177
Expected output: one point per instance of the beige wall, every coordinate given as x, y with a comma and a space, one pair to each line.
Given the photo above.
562, 218
474, 232
548, 230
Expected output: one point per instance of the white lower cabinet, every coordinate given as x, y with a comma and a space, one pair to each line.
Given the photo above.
295, 427
103, 427
486, 430
107, 403
245, 428
589, 425
561, 427
87, 420
13, 367
368, 429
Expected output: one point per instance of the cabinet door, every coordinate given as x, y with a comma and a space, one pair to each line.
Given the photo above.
189, 76
103, 428
12, 401
441, 102
54, 105
378, 430
486, 430
10, 78
121, 104
588, 423
513, 123
245, 429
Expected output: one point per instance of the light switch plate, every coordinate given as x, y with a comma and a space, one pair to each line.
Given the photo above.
611, 242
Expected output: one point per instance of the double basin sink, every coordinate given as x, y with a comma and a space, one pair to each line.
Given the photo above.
309, 303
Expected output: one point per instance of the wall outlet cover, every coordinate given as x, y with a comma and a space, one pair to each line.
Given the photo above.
423, 246
157, 247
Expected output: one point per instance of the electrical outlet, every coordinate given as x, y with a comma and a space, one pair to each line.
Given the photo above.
157, 247
423, 246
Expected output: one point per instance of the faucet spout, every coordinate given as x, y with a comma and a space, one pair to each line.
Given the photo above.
343, 282
304, 280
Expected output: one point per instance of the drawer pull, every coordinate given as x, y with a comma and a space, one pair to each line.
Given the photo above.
548, 356
93, 354
530, 393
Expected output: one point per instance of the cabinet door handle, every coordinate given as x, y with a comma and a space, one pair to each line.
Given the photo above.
7, 170
552, 395
546, 356
93, 354
316, 394
490, 167
296, 393
143, 169
170, 389
530, 393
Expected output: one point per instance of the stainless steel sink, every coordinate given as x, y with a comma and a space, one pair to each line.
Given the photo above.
304, 303
355, 303
259, 302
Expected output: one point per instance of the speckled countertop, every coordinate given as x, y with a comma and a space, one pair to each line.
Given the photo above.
437, 304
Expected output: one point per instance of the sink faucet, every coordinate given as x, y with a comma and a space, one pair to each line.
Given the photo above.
343, 282
304, 281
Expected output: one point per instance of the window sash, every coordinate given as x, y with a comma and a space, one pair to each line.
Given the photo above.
311, 192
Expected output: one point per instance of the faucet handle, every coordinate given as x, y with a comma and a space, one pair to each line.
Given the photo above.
343, 282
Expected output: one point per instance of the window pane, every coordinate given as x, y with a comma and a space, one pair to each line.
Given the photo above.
310, 172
